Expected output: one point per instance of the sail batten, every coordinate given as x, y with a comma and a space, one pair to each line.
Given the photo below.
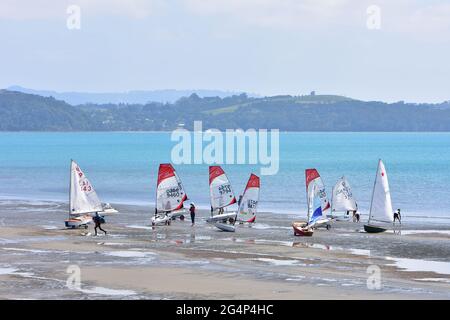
83, 198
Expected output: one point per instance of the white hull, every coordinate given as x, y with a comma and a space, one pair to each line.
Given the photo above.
178, 213
321, 223
340, 218
78, 221
221, 217
160, 220
225, 227
106, 212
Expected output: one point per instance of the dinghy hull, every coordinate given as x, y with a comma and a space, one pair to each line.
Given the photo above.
221, 217
300, 229
161, 221
322, 223
373, 229
78, 222
225, 227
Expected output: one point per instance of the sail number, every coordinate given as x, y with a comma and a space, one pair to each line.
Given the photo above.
85, 186
251, 204
224, 189
173, 192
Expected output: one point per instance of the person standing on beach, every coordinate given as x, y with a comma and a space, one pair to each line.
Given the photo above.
98, 222
192, 211
398, 216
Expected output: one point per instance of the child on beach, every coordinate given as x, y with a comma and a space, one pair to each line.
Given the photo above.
192, 211
355, 216
398, 216
98, 220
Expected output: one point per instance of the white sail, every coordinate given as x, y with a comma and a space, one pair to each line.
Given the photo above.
381, 205
170, 194
221, 193
249, 201
342, 198
83, 198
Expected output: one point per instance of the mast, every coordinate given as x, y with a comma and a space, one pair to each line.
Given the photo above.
307, 198
332, 196
373, 191
70, 185
156, 194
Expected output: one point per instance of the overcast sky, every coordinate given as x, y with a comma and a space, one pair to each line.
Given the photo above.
266, 47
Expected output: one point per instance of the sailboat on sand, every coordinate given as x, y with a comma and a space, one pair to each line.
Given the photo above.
249, 201
170, 196
318, 205
221, 197
342, 201
381, 212
83, 200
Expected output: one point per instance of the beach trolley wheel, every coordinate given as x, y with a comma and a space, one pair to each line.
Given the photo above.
182, 217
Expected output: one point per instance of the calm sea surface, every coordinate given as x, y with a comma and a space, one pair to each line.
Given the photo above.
123, 168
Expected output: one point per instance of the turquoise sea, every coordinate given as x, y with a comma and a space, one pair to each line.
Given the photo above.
123, 166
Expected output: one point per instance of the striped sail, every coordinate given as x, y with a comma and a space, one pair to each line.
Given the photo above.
221, 193
318, 203
170, 193
249, 201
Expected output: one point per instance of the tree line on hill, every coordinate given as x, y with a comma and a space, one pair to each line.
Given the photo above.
29, 112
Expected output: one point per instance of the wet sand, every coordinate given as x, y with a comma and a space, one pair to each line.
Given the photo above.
265, 261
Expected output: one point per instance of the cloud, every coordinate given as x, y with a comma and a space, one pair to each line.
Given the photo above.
402, 16
275, 13
56, 9
417, 18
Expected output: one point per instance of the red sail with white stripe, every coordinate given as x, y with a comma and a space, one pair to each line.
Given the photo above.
250, 199
221, 193
170, 193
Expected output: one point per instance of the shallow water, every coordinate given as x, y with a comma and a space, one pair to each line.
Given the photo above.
330, 258
123, 168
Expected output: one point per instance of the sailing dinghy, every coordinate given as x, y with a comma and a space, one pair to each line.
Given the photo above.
249, 200
381, 212
317, 203
342, 200
221, 196
83, 200
170, 196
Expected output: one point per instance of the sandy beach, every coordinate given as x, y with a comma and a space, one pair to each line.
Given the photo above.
265, 261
